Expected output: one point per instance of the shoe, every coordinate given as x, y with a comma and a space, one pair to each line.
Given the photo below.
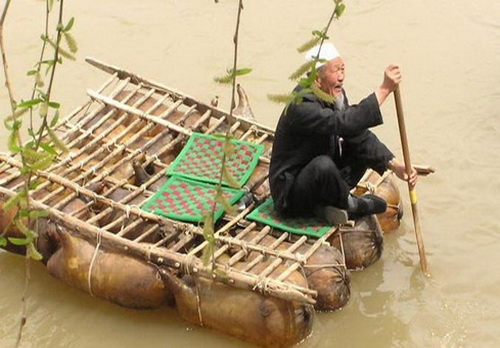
367, 205
334, 216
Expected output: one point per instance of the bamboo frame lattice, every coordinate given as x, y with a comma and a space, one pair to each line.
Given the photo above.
130, 119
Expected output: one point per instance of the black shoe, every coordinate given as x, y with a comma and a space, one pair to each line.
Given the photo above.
367, 205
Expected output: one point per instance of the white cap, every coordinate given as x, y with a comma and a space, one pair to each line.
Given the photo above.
327, 52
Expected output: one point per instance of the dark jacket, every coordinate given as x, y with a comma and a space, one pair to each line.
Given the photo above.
314, 127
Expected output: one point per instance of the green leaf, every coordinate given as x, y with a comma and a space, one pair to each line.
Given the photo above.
309, 80
16, 125
70, 24
222, 136
29, 103
50, 63
41, 94
321, 34
33, 253
48, 148
13, 142
19, 241
34, 184
36, 214
31, 156
208, 234
43, 163
32, 72
12, 201
54, 119
7, 124
30, 234
299, 96
26, 170
23, 213
227, 79
3, 241
58, 143
18, 113
243, 71
54, 105
339, 10
31, 145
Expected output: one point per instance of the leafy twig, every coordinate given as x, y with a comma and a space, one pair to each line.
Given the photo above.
8, 84
308, 83
32, 159
209, 223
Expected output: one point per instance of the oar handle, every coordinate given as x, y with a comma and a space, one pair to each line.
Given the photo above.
402, 131
412, 191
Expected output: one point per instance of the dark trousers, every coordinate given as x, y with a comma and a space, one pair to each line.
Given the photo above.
323, 182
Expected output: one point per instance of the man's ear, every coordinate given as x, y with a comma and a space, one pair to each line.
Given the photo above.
318, 81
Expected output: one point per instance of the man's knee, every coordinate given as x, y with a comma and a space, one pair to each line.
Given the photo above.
324, 165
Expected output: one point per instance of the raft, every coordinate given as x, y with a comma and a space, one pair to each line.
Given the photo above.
110, 233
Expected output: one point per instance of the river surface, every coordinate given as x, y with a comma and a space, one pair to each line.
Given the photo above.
449, 51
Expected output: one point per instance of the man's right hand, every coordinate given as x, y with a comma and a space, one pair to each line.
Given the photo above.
392, 79
399, 169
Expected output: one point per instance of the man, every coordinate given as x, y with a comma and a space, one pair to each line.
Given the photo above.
321, 149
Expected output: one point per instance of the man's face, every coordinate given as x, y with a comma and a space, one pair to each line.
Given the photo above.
331, 76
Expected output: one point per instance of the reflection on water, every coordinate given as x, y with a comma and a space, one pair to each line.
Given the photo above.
449, 52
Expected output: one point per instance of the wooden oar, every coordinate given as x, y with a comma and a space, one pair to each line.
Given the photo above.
413, 192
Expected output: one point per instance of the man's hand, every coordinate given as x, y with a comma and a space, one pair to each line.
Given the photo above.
400, 170
392, 79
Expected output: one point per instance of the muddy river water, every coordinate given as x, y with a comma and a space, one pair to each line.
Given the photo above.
449, 51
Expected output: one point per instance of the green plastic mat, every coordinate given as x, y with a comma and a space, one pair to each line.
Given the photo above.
188, 200
201, 159
266, 214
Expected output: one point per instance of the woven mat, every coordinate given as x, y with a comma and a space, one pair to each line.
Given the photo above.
188, 200
266, 214
201, 159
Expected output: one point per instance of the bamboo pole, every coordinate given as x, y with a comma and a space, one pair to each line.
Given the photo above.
412, 190
175, 94
261, 257
149, 231
134, 111
249, 132
240, 235
291, 249
86, 118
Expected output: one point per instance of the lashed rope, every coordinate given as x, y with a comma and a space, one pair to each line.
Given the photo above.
92, 262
